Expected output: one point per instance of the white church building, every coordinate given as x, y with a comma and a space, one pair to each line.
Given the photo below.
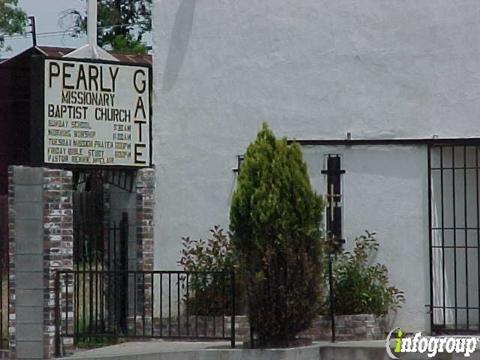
386, 91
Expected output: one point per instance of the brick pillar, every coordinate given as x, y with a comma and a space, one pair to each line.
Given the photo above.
40, 243
11, 265
145, 188
58, 243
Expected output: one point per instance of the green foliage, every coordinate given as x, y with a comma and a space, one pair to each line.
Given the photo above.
208, 294
12, 20
360, 286
275, 220
122, 24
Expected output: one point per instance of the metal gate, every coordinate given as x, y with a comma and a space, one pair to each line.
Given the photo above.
99, 246
4, 311
454, 219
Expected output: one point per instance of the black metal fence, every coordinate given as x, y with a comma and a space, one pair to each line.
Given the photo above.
93, 304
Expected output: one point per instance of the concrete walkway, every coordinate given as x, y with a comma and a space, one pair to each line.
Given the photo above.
186, 350
180, 350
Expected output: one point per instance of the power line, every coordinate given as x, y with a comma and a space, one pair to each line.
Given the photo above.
58, 32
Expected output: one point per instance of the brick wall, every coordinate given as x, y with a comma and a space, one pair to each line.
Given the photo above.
348, 328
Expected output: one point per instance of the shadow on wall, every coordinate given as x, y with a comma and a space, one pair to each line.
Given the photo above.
182, 29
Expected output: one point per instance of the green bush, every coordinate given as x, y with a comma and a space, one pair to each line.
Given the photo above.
275, 220
208, 294
361, 287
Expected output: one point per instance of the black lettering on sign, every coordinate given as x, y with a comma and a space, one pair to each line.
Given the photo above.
140, 133
140, 106
81, 78
140, 84
113, 74
139, 153
53, 73
67, 75
93, 77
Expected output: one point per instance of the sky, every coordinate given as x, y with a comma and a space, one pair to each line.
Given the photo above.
47, 16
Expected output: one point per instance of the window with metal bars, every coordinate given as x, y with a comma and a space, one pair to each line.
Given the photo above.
334, 198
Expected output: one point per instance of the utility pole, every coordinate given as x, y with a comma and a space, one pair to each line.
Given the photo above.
33, 30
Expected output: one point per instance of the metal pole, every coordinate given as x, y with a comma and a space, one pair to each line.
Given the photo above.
57, 314
34, 30
332, 300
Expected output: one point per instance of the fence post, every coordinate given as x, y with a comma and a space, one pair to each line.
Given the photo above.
331, 297
57, 313
232, 322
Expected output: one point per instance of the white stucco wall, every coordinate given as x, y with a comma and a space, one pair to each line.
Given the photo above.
384, 191
313, 70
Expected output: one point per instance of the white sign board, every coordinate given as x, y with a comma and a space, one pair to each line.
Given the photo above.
96, 114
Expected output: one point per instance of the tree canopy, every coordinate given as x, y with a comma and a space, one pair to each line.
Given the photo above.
12, 20
122, 24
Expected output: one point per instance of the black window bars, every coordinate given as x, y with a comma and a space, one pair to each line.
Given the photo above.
454, 221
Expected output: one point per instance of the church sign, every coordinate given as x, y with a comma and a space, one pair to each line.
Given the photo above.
96, 113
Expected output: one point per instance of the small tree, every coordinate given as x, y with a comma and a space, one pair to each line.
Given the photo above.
275, 220
12, 20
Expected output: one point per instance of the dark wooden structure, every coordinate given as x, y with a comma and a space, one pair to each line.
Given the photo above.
19, 105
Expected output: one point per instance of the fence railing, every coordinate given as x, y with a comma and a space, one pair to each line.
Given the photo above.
144, 304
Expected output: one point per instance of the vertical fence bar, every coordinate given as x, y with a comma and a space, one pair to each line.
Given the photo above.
84, 277
205, 317
143, 305
152, 291
135, 291
90, 279
58, 320
66, 303
187, 305
478, 231
179, 330
123, 266
169, 304
466, 229
232, 321
76, 305
444, 293
429, 166
196, 312
214, 282
225, 276
161, 304
115, 279
454, 238
332, 299
2, 267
